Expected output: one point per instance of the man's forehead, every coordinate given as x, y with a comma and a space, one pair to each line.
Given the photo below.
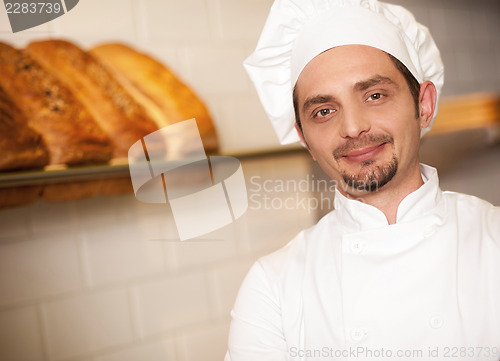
352, 47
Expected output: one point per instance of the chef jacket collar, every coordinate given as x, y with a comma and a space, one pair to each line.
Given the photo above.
359, 216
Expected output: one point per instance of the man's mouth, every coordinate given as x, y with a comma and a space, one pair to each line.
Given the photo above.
363, 154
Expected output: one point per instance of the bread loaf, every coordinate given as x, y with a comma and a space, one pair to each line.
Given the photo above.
67, 129
21, 147
121, 117
163, 94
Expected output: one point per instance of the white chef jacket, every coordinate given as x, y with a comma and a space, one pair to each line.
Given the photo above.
353, 287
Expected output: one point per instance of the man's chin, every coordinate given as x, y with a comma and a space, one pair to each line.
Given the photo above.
371, 177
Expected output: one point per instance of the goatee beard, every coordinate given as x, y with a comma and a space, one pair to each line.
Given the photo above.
375, 178
371, 177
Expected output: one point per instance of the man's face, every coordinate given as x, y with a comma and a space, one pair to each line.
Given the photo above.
358, 118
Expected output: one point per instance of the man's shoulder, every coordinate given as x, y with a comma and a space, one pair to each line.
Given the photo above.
474, 211
466, 202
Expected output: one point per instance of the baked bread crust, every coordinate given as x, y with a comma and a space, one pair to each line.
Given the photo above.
162, 93
21, 147
67, 128
119, 115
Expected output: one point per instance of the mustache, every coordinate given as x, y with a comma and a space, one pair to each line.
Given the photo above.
364, 141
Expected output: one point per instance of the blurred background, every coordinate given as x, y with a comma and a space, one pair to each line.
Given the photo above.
100, 279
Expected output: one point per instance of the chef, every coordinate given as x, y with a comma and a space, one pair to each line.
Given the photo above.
400, 269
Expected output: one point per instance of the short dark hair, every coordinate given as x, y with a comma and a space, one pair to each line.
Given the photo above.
410, 80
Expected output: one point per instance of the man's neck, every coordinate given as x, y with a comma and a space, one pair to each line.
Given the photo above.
388, 198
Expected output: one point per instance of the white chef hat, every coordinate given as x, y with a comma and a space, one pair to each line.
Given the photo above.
298, 30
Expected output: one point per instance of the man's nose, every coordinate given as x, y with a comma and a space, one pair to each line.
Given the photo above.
355, 122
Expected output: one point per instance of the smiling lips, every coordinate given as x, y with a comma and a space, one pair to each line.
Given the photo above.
362, 149
364, 154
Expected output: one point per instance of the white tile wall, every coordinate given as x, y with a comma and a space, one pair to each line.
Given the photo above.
91, 216
15, 224
91, 20
171, 304
163, 350
210, 76
20, 337
43, 266
137, 256
43, 214
175, 20
437, 21
224, 281
466, 34
194, 253
463, 60
243, 19
80, 325
4, 22
205, 344
241, 114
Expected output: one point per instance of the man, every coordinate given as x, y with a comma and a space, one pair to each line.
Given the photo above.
399, 270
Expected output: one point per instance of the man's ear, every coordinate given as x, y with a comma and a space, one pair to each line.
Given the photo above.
427, 103
303, 140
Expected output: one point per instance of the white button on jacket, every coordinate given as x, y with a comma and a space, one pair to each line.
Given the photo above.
354, 287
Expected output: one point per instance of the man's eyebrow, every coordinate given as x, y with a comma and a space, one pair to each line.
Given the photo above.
316, 99
377, 79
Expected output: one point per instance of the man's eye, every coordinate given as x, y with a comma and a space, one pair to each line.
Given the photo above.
375, 96
323, 113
